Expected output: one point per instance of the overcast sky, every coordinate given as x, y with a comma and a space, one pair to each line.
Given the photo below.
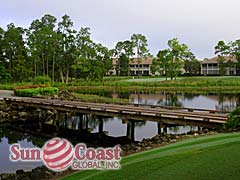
198, 23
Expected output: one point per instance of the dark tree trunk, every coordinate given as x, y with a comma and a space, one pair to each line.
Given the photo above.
53, 68
43, 63
67, 73
35, 68
61, 74
47, 66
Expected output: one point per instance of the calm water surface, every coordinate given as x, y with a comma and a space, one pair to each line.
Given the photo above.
8, 166
115, 127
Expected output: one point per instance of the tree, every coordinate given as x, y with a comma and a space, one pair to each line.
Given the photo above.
2, 59
235, 47
48, 22
228, 51
161, 63
222, 49
235, 51
221, 65
84, 47
21, 70
34, 44
123, 52
68, 47
93, 60
123, 64
139, 42
14, 49
104, 59
178, 53
191, 65
83, 42
42, 40
4, 75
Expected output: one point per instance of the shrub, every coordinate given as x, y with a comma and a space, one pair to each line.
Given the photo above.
234, 119
48, 91
36, 91
42, 80
27, 92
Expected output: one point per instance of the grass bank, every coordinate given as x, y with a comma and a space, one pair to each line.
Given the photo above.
210, 157
212, 81
96, 98
215, 84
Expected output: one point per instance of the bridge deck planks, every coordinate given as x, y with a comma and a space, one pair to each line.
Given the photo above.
215, 116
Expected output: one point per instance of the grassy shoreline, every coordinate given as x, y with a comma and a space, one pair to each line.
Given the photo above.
212, 84
215, 89
96, 98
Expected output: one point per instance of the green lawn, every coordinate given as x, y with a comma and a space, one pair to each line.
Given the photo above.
226, 84
200, 84
156, 79
210, 157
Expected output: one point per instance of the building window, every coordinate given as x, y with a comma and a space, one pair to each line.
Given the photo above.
138, 72
145, 72
215, 65
213, 72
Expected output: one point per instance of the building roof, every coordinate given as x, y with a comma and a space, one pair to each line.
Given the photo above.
215, 60
147, 60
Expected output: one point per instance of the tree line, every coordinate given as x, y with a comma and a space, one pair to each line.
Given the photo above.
55, 49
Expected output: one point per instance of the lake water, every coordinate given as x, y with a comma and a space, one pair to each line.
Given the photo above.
8, 137
115, 127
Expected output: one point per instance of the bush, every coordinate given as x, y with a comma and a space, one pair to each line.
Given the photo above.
36, 91
48, 91
234, 119
42, 80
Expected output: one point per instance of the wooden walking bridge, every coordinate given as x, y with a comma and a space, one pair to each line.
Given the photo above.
167, 115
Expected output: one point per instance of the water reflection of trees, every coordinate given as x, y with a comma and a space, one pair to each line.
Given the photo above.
190, 96
14, 137
90, 122
171, 99
85, 121
131, 125
227, 102
174, 129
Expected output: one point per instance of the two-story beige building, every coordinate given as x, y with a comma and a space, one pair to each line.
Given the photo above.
212, 66
136, 67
